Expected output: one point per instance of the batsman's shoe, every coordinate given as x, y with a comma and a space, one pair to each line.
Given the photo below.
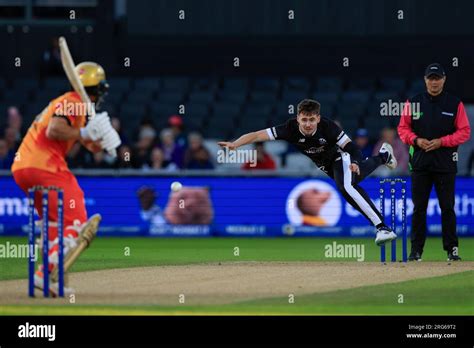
387, 151
86, 236
453, 255
53, 286
70, 243
384, 234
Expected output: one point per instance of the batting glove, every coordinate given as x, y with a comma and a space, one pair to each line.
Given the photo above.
96, 127
110, 141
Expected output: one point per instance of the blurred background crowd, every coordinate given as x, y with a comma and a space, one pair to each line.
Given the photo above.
175, 142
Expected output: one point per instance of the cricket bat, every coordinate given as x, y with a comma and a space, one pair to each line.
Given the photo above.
85, 239
73, 77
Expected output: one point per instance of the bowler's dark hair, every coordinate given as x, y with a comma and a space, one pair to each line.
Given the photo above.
309, 107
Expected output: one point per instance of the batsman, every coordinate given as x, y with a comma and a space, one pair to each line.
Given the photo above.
41, 161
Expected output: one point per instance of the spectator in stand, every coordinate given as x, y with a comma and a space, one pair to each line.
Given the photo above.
75, 158
144, 146
156, 158
157, 161
197, 156
124, 157
400, 150
116, 124
362, 141
15, 121
6, 157
10, 137
98, 161
172, 152
264, 160
176, 124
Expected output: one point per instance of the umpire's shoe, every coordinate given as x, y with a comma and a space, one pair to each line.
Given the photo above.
414, 256
453, 255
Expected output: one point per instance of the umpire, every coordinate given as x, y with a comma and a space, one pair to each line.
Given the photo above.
434, 123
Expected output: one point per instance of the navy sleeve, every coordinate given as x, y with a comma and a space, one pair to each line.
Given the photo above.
338, 137
353, 150
280, 132
335, 135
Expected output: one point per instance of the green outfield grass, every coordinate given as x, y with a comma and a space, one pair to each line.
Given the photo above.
452, 294
109, 253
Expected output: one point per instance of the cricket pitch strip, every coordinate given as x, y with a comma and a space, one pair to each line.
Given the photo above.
227, 282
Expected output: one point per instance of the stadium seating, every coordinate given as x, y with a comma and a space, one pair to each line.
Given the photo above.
417, 86
362, 83
163, 110
293, 96
177, 84
266, 84
202, 96
140, 96
392, 84
25, 85
150, 84
224, 109
205, 84
276, 148
220, 127
174, 96
297, 161
56, 83
212, 147
233, 96
196, 108
117, 84
236, 84
276, 119
329, 84
296, 83
263, 97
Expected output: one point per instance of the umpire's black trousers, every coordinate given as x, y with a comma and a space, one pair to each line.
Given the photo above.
421, 185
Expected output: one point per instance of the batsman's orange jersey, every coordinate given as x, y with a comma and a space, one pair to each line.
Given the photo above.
36, 150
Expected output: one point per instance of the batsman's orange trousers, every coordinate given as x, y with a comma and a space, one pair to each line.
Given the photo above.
74, 205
